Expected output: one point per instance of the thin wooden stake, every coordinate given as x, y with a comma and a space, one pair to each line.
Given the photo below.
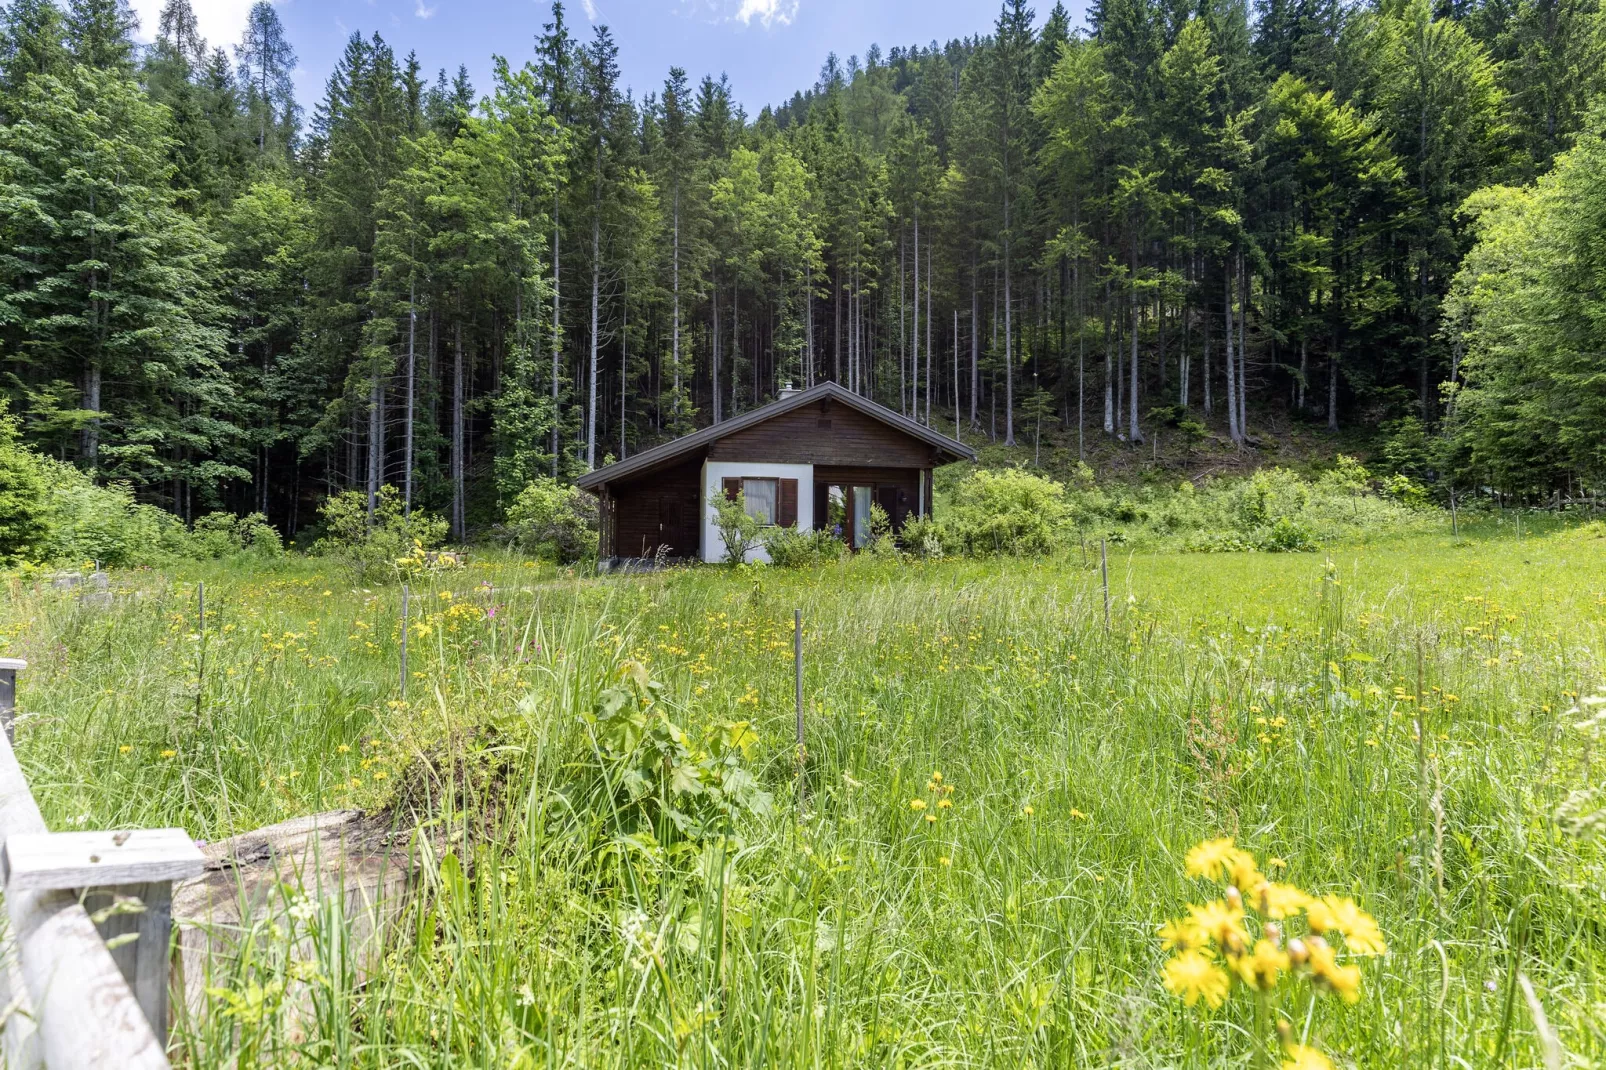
1455, 521
1104, 572
405, 596
200, 675
797, 663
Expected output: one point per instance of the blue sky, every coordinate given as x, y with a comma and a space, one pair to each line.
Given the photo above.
768, 47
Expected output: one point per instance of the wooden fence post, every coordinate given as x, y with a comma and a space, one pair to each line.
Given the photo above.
125, 881
797, 672
1104, 573
9, 668
405, 607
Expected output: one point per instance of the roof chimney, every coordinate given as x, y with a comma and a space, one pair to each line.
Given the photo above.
788, 390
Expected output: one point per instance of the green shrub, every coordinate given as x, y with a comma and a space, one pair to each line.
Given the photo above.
226, 535
89, 522
792, 548
554, 521
1007, 512
371, 550
926, 536
24, 508
739, 531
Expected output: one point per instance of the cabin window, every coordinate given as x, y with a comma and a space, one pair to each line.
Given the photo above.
760, 495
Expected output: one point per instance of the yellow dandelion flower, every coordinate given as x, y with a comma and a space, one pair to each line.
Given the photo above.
1077, 814
1027, 810
931, 819
344, 748
945, 804
1192, 977
945, 861
1302, 1058
936, 778
125, 749
1260, 968
1334, 913
1279, 901
1220, 920
1276, 863
170, 754
917, 804
1343, 981
1210, 859
1181, 934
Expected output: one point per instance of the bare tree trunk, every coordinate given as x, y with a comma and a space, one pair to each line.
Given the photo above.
557, 328
1243, 349
956, 374
903, 336
914, 364
91, 434
1109, 365
675, 346
975, 343
1009, 337
929, 346
596, 294
718, 347
1232, 387
412, 386
458, 508
1132, 393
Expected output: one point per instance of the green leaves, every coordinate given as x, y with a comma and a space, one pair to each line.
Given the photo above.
663, 782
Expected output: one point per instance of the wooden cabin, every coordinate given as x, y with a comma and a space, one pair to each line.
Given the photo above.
816, 458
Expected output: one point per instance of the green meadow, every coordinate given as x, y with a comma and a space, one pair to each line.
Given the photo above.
625, 859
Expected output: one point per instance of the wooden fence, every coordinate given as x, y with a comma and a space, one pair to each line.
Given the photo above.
84, 960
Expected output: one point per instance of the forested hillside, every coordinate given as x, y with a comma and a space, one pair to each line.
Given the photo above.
1179, 212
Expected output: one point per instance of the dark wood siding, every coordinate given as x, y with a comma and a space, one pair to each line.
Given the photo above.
834, 435
661, 509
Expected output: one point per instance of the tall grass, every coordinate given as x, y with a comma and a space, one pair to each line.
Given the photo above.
1270, 697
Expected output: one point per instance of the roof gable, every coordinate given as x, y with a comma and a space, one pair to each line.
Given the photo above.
868, 413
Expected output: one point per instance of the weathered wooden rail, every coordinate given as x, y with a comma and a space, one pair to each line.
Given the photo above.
84, 960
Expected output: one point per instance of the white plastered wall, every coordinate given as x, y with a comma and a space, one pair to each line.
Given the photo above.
714, 475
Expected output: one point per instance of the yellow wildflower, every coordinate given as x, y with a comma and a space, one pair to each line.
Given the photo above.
1259, 968
945, 804
1192, 976
1077, 814
1220, 920
1208, 858
1343, 981
1334, 913
917, 804
1302, 1058
1181, 934
1279, 901
931, 819
170, 754
124, 749
1027, 810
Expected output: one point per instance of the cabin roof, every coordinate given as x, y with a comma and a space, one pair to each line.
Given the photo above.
669, 451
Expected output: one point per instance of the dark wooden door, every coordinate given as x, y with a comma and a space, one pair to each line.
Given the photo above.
677, 530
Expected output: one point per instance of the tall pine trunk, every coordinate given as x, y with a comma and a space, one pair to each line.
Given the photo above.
412, 386
557, 327
1232, 386
596, 295
458, 506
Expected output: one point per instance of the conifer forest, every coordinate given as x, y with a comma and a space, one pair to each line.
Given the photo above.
1358, 215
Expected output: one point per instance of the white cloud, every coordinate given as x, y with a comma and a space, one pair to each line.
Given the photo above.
423, 12
769, 12
222, 22
591, 9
